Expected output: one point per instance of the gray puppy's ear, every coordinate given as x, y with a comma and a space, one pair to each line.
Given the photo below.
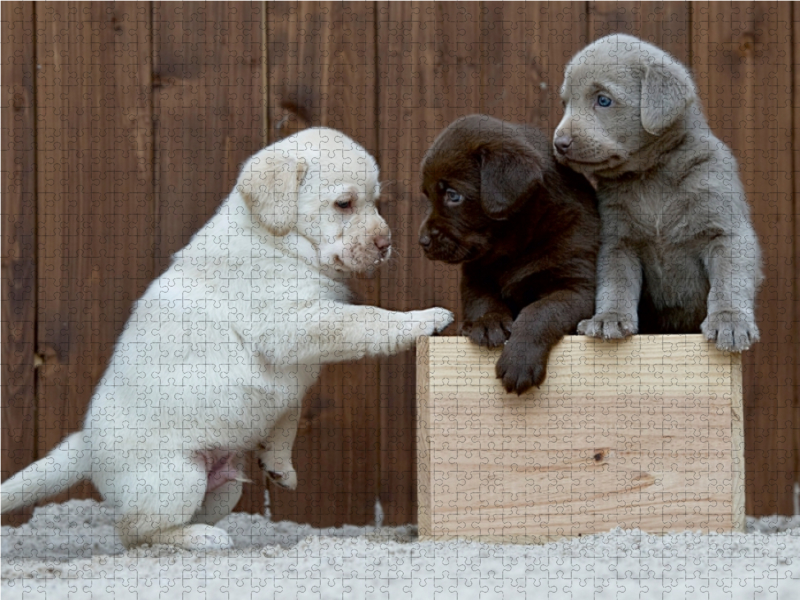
507, 174
269, 183
666, 92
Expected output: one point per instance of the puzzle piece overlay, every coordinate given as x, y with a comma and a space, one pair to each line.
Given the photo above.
118, 185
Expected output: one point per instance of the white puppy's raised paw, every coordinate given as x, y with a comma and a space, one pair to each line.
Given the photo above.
609, 326
733, 331
435, 320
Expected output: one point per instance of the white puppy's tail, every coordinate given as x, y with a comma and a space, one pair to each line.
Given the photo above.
66, 465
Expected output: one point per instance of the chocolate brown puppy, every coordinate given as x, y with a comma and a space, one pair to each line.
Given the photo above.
526, 231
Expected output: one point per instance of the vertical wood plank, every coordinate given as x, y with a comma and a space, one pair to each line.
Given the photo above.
95, 200
19, 242
527, 45
322, 73
742, 65
793, 377
664, 24
208, 107
430, 73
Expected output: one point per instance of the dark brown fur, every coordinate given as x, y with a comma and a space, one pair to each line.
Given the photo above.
527, 233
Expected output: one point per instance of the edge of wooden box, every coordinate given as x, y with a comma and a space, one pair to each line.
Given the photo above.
424, 516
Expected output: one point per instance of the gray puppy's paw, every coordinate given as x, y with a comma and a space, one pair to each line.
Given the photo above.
732, 330
609, 326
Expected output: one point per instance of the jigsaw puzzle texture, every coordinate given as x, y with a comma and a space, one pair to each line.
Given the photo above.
125, 127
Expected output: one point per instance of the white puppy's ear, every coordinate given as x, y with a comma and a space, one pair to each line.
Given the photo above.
666, 92
269, 183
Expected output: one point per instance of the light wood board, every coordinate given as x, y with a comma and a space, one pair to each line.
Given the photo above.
645, 433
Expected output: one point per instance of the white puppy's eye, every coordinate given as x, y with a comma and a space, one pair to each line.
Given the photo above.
604, 101
344, 204
452, 197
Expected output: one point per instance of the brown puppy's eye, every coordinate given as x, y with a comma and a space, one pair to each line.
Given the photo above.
344, 204
452, 197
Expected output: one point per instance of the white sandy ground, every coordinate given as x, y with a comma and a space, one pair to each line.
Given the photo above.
70, 551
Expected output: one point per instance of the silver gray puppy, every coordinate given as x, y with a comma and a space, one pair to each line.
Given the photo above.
678, 251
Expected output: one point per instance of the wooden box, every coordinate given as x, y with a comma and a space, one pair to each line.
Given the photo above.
645, 433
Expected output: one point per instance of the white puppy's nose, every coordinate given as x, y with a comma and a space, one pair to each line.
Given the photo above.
383, 243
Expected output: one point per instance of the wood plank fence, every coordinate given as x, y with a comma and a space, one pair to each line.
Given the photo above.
123, 126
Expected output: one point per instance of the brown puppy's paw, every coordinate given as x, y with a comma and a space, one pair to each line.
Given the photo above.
522, 366
609, 326
491, 330
732, 330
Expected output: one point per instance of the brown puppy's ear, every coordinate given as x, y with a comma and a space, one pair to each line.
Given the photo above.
269, 182
507, 174
666, 92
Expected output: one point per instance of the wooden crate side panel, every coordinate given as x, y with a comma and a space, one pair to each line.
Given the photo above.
19, 242
425, 419
640, 433
94, 200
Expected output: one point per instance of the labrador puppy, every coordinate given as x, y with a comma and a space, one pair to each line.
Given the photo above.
678, 252
219, 351
526, 231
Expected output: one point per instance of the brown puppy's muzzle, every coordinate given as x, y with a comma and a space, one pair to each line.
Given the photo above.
437, 245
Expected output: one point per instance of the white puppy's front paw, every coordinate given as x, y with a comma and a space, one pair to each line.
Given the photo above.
609, 326
733, 331
436, 320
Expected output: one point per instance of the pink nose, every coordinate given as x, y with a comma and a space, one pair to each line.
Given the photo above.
382, 242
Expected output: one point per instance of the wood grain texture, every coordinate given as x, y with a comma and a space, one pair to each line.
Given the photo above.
430, 57
19, 243
636, 434
791, 342
208, 104
664, 24
322, 73
743, 68
95, 198
526, 45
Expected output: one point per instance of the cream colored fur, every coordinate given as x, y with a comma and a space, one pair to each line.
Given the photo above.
219, 351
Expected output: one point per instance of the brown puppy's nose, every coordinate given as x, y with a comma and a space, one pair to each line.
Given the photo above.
382, 242
562, 143
425, 241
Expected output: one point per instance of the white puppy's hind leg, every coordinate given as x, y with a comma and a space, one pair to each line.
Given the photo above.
219, 503
275, 453
158, 496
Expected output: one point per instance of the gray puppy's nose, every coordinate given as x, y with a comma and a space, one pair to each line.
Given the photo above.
425, 241
562, 143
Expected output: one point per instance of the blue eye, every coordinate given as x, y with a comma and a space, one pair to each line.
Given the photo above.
452, 197
603, 101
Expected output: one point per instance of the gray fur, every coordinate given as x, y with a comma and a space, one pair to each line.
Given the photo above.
678, 251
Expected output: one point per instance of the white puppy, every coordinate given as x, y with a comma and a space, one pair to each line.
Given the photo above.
218, 353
